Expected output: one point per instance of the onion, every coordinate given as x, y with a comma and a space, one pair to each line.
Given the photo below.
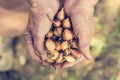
59, 59
66, 23
61, 15
67, 35
58, 47
49, 34
64, 45
57, 23
55, 55
50, 45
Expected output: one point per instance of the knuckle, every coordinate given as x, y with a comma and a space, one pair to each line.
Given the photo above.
26, 36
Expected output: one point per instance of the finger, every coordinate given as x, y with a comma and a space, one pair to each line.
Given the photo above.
42, 26
28, 42
66, 64
82, 25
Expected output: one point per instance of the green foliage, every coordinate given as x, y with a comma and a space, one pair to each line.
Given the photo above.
23, 78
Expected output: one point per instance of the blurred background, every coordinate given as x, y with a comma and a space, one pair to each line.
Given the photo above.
16, 63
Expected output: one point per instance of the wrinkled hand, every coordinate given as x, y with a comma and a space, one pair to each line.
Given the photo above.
81, 14
39, 25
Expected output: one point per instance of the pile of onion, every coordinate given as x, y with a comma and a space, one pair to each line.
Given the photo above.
61, 42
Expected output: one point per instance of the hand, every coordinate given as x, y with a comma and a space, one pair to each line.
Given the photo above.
39, 25
81, 14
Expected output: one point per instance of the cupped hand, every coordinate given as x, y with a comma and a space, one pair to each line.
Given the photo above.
81, 14
38, 25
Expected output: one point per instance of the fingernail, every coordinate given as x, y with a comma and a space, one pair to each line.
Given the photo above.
86, 52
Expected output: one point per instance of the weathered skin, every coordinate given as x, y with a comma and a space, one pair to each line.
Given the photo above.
81, 14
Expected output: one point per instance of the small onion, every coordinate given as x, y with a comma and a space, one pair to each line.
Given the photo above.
55, 55
49, 34
49, 60
57, 32
64, 45
67, 35
66, 23
66, 52
61, 14
50, 45
57, 23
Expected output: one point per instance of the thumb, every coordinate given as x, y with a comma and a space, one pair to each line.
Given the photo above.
82, 26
